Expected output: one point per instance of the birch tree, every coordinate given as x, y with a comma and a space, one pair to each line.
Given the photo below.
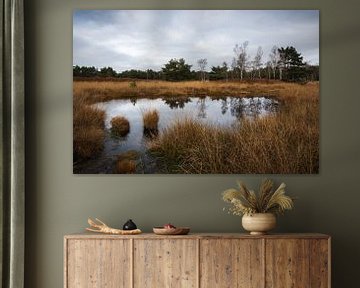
282, 61
258, 59
242, 57
202, 63
269, 69
274, 59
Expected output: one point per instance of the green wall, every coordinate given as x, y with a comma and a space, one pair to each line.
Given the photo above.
59, 202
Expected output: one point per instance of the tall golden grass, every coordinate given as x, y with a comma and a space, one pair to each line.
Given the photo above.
88, 129
284, 143
151, 120
100, 91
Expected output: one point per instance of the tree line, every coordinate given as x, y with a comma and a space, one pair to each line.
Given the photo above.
284, 63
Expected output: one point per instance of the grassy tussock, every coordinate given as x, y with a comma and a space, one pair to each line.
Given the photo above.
284, 143
151, 120
126, 162
88, 130
120, 126
125, 166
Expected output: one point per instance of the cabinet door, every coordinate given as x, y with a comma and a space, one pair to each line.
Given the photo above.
231, 263
320, 263
98, 263
287, 263
165, 263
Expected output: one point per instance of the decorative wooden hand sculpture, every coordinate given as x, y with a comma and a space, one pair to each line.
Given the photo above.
101, 227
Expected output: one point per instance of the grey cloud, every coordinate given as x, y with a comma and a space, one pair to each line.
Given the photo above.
126, 39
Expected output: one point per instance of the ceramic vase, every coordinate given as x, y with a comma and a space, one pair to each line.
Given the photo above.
259, 223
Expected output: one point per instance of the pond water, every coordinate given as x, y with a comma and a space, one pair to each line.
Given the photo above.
222, 111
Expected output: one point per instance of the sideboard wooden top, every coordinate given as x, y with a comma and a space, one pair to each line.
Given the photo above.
86, 235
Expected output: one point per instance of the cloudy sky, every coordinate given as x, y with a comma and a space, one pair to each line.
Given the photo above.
136, 39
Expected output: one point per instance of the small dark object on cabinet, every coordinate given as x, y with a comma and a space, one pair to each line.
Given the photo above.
129, 225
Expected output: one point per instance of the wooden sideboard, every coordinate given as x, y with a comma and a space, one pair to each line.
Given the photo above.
197, 260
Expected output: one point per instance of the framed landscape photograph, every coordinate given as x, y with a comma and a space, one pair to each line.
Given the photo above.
196, 92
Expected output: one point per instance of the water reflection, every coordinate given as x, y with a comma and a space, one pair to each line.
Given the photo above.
224, 106
223, 111
175, 103
201, 108
133, 101
252, 107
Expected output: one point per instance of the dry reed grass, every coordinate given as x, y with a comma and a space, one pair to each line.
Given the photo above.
151, 120
101, 91
88, 130
96, 91
120, 126
126, 162
284, 143
125, 166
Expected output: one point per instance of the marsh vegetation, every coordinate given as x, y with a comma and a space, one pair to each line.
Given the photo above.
198, 96
120, 126
277, 132
150, 122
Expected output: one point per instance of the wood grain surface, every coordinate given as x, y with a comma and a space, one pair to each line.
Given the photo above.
89, 235
230, 263
197, 260
287, 263
98, 263
165, 263
319, 263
